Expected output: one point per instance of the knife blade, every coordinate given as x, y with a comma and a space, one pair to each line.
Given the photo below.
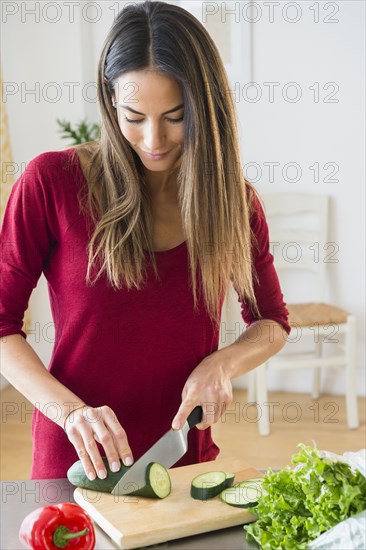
167, 451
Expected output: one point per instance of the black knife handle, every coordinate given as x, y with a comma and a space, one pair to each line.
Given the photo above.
195, 417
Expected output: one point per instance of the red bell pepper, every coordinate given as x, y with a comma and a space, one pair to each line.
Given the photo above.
64, 525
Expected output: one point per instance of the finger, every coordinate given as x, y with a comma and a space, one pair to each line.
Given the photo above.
117, 446
184, 411
105, 438
211, 413
77, 440
120, 437
93, 451
85, 423
207, 419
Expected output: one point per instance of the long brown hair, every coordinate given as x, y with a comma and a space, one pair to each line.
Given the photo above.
214, 197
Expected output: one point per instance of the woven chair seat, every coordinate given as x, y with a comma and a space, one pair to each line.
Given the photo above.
313, 314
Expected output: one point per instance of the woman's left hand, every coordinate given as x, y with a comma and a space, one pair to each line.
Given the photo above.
209, 385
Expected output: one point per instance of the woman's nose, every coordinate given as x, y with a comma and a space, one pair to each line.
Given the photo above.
154, 137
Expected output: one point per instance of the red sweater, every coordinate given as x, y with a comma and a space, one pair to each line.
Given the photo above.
132, 350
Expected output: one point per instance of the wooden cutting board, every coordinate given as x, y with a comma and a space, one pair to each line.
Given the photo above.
132, 522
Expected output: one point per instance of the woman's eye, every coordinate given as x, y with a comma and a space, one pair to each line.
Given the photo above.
133, 121
175, 119
172, 120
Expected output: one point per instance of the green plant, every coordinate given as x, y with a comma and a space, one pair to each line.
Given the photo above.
83, 132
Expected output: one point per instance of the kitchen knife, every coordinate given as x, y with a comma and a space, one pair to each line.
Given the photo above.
167, 451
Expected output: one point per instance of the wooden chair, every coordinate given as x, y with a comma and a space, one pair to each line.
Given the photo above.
296, 248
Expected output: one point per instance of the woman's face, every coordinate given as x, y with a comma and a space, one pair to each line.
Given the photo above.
150, 115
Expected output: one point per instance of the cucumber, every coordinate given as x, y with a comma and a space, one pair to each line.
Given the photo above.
158, 484
229, 479
245, 494
77, 476
208, 485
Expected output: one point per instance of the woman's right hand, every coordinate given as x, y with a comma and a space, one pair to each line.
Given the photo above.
87, 425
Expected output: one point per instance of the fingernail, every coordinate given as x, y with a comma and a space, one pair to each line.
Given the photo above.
128, 461
91, 476
102, 474
115, 466
176, 425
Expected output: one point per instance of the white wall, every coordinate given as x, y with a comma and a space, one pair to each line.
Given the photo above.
312, 131
36, 52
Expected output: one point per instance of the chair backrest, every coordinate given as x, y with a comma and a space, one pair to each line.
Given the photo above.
298, 230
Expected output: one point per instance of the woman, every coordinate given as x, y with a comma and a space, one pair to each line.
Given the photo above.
139, 235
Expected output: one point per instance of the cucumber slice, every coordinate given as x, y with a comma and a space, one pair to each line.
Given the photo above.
158, 482
208, 485
252, 481
244, 494
229, 479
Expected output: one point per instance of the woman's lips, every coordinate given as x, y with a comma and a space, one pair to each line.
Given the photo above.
156, 157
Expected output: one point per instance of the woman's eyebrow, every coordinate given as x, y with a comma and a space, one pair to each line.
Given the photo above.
166, 112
